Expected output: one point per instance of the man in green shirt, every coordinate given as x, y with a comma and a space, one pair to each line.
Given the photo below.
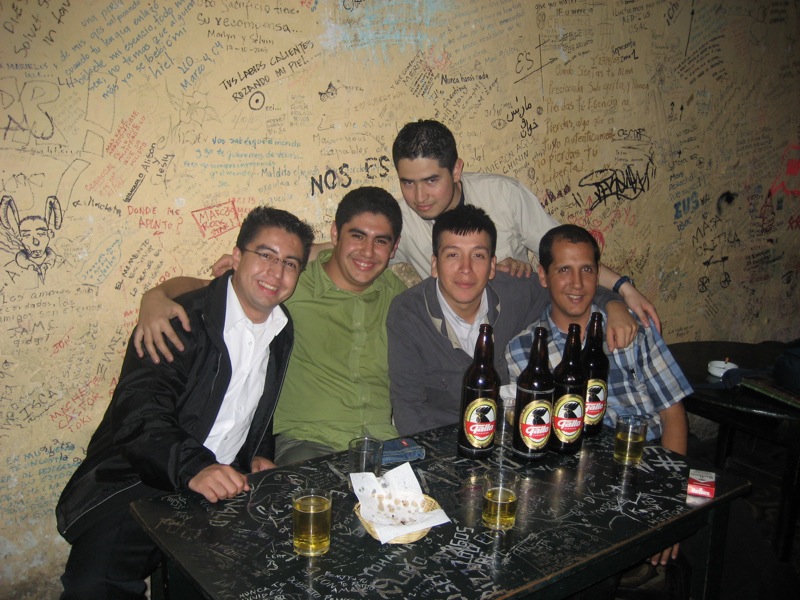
337, 384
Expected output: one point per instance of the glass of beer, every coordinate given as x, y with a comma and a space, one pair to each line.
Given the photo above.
629, 439
311, 521
500, 491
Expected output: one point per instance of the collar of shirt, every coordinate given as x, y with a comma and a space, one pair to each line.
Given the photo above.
236, 322
464, 332
561, 336
560, 340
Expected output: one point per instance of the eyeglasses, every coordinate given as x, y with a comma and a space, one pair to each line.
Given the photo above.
290, 264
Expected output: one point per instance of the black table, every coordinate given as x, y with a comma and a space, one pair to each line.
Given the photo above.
580, 519
742, 409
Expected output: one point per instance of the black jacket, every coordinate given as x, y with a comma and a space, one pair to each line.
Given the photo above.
151, 436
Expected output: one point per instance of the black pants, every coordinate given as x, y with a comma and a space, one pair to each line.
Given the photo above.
111, 560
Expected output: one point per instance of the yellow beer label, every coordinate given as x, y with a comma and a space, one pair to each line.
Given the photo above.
596, 395
480, 420
568, 417
534, 424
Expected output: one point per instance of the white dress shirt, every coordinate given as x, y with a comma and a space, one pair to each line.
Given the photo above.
248, 347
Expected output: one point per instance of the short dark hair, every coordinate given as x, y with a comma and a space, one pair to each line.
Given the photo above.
426, 139
461, 221
266, 216
571, 233
369, 199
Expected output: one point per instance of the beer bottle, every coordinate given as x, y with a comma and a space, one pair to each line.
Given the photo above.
479, 393
595, 366
534, 407
569, 397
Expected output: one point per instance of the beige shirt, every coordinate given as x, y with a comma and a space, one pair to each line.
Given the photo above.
519, 217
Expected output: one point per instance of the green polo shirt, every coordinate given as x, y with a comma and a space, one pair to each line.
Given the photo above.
337, 382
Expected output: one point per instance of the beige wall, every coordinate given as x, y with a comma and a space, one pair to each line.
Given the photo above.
670, 129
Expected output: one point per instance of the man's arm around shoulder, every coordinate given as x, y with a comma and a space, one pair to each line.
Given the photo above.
157, 309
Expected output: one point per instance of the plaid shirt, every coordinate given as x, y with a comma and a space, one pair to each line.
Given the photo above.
643, 378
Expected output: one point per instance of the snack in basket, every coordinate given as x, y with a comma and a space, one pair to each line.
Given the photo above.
407, 512
393, 508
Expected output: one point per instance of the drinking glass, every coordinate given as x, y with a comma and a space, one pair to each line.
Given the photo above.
504, 434
311, 521
365, 455
629, 439
500, 491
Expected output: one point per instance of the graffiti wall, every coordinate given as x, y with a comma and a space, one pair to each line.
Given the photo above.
136, 135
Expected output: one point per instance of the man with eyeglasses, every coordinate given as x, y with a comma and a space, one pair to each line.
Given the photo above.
337, 384
201, 422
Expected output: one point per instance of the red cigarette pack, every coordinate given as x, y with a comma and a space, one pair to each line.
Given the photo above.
701, 483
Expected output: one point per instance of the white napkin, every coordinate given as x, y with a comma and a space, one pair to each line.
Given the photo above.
393, 503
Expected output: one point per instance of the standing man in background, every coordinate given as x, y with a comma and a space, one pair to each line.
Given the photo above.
198, 423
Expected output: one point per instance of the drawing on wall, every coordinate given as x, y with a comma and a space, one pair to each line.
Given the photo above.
705, 281
616, 183
330, 92
32, 236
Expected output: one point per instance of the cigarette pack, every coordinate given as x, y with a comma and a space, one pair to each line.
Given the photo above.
701, 483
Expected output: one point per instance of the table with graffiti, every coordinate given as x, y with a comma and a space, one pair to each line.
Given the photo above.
580, 518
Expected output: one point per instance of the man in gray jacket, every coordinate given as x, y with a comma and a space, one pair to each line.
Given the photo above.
199, 423
433, 326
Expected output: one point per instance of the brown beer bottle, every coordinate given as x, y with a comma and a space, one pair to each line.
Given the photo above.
595, 366
569, 397
479, 392
534, 405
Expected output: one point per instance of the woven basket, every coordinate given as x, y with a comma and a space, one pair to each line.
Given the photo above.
428, 505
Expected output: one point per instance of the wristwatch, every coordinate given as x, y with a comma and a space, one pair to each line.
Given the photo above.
622, 281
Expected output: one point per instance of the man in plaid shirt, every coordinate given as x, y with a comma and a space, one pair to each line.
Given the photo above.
643, 378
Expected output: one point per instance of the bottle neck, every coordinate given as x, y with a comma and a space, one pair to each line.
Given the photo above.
572, 350
563, 325
484, 347
540, 354
595, 336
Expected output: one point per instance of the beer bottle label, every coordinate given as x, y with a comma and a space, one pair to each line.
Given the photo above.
480, 419
534, 424
596, 394
568, 417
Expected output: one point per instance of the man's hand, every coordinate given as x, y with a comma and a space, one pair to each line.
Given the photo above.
223, 265
260, 463
663, 557
621, 327
154, 314
218, 482
643, 308
515, 268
